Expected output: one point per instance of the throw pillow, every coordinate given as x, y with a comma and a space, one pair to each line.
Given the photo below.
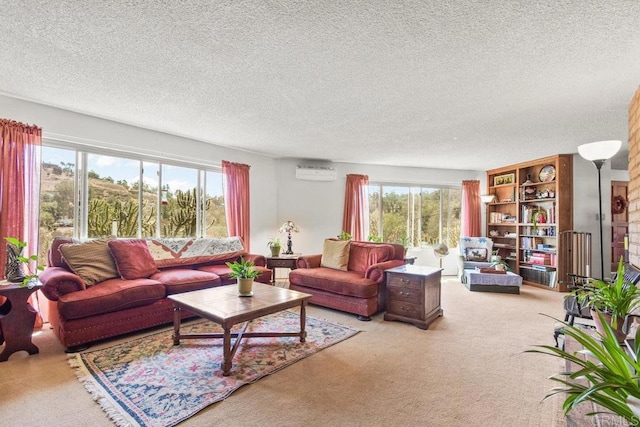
133, 259
476, 254
335, 254
91, 260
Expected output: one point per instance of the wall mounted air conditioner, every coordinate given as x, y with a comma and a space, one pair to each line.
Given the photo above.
315, 173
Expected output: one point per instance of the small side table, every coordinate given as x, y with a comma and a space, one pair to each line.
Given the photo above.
413, 294
17, 318
282, 261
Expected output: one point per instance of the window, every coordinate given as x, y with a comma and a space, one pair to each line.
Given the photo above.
415, 216
92, 195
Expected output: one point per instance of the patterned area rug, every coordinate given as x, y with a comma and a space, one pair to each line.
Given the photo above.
150, 382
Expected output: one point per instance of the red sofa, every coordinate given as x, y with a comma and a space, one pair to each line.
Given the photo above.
360, 289
88, 301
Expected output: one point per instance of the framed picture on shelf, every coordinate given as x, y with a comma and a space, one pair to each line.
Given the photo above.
508, 178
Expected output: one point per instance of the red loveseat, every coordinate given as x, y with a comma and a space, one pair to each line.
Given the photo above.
104, 288
359, 287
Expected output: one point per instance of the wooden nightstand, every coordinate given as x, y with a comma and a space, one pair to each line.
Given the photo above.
413, 295
17, 318
283, 261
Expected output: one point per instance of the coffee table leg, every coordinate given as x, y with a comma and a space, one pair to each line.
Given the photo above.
303, 321
226, 348
176, 325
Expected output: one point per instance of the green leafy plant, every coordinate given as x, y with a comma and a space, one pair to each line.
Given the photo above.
616, 298
605, 372
274, 242
501, 262
243, 269
344, 235
374, 238
32, 273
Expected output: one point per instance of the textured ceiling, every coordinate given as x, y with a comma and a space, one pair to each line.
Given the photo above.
464, 84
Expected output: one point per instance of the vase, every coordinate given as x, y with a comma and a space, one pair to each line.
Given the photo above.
13, 267
245, 287
620, 336
275, 251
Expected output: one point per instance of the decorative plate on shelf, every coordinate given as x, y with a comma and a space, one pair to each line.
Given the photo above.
547, 173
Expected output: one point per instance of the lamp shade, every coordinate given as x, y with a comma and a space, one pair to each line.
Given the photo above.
601, 150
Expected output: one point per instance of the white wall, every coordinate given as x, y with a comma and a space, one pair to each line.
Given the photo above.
317, 207
79, 128
585, 207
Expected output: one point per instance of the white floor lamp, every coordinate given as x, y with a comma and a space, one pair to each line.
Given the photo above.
598, 153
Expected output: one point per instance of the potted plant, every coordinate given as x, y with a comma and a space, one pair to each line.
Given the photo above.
16, 261
614, 300
604, 372
244, 272
274, 245
344, 235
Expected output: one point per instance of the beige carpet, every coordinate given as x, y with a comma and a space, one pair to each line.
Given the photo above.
466, 370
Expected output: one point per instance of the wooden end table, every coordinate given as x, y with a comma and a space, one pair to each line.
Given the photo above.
413, 295
17, 318
223, 305
282, 261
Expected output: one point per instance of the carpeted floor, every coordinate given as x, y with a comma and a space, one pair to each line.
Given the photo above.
468, 369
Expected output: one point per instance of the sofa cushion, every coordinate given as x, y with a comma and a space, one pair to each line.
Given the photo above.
110, 296
335, 254
476, 254
133, 258
363, 254
178, 280
55, 258
91, 260
351, 283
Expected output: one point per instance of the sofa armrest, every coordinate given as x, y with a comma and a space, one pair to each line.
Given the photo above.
375, 272
256, 259
309, 261
58, 281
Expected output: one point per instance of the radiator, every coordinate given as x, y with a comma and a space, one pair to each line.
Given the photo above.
575, 254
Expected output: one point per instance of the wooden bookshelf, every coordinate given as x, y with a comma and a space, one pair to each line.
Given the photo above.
533, 203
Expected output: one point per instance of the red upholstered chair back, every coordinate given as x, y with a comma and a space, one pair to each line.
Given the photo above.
363, 254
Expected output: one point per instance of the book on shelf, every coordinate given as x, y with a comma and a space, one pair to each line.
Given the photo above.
544, 275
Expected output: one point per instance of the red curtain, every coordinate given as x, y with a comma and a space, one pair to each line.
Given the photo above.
20, 150
236, 199
355, 219
471, 209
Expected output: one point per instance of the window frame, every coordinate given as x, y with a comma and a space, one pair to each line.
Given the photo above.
379, 188
81, 183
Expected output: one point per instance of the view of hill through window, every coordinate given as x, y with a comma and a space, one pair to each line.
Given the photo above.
172, 201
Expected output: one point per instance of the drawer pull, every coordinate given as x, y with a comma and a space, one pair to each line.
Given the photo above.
405, 281
404, 294
405, 308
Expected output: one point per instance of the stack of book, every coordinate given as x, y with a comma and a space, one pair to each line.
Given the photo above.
540, 258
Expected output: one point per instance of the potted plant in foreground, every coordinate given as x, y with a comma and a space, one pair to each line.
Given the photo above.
614, 300
274, 245
244, 272
603, 372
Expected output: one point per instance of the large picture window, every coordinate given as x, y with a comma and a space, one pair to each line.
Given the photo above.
415, 216
91, 195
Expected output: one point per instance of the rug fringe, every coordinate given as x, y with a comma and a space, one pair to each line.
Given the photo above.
105, 403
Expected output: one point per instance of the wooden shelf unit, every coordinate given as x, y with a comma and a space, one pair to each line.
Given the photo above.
528, 214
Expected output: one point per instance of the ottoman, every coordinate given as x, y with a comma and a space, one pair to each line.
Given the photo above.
508, 283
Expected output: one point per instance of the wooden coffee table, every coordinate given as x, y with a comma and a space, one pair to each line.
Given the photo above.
225, 307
